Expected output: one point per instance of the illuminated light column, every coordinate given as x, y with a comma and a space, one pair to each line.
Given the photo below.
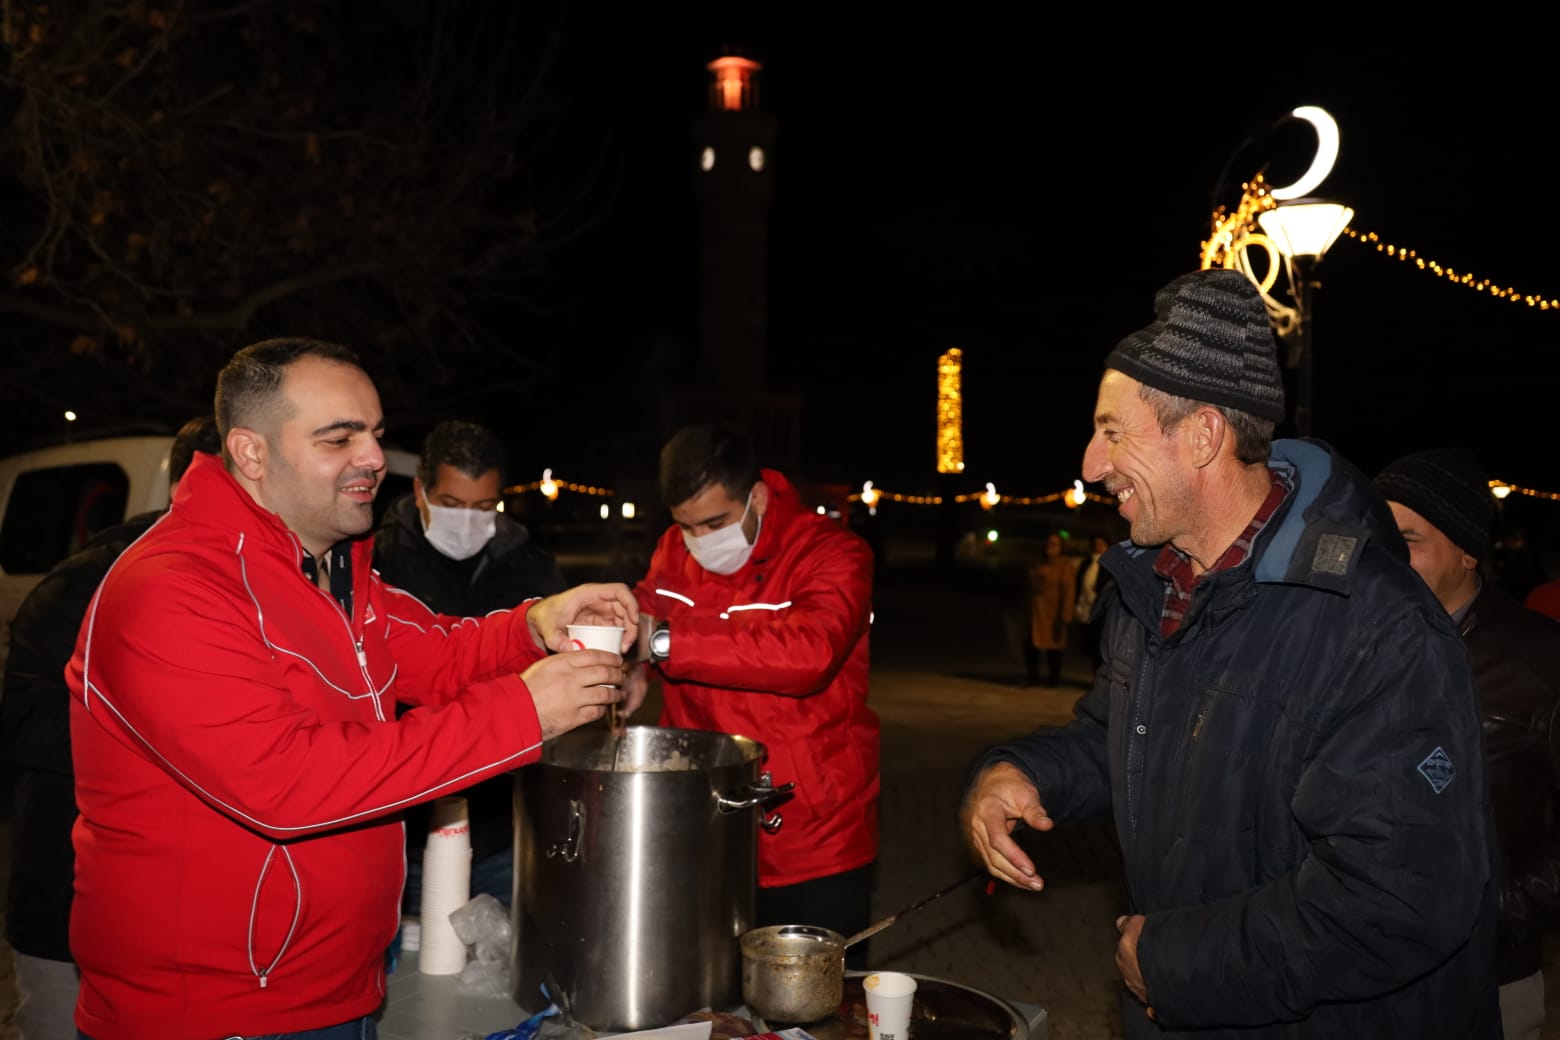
950, 412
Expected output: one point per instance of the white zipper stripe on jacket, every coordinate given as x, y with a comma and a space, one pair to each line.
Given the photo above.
346, 623
232, 810
421, 796
725, 615
92, 606
674, 595
264, 974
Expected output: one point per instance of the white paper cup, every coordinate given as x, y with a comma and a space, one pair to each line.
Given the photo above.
596, 637
890, 996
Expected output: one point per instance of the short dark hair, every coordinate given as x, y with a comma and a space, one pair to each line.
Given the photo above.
1253, 434
471, 448
199, 434
248, 385
698, 456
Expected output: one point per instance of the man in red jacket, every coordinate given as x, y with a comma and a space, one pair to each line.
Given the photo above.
240, 765
756, 613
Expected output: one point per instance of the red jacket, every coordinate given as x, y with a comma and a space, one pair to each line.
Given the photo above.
778, 652
240, 771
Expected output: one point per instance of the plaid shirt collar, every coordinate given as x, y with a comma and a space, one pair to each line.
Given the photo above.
1175, 567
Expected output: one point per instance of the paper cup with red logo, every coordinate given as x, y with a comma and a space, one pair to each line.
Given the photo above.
446, 886
890, 996
596, 637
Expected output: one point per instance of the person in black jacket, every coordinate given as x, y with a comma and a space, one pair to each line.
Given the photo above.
448, 544
1441, 500
1284, 730
35, 745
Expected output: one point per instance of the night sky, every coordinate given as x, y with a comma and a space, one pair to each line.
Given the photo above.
1021, 193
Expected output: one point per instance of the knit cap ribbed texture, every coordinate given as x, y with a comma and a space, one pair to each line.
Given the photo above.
1450, 488
1210, 341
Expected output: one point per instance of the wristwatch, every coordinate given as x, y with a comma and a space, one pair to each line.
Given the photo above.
661, 641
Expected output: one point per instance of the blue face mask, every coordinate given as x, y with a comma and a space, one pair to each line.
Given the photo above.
726, 550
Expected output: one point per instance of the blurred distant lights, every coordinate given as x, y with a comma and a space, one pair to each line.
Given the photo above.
872, 496
70, 416
869, 497
550, 487
1463, 278
950, 412
991, 535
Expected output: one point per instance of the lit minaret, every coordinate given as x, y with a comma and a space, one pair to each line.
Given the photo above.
734, 143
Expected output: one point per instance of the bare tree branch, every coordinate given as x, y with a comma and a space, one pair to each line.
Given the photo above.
395, 173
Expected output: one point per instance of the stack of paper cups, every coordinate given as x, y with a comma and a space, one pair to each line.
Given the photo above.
446, 887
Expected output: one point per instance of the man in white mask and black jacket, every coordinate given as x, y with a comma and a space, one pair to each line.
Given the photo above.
448, 544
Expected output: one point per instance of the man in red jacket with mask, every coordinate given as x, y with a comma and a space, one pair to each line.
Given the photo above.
756, 614
240, 764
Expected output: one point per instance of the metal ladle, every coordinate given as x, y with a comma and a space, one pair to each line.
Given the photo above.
873, 929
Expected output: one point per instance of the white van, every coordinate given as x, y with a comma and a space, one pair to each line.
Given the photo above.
53, 500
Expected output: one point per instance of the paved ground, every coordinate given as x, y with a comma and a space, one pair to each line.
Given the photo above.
946, 686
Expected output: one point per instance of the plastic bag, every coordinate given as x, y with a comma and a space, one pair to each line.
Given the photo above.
525, 1030
483, 925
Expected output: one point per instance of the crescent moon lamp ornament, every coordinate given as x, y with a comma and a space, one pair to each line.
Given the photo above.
1326, 153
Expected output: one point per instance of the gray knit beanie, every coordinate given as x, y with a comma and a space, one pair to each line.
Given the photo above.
1449, 488
1210, 341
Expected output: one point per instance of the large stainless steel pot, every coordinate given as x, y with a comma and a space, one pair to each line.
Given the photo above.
636, 873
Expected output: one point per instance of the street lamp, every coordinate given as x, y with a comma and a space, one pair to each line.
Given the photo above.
1303, 230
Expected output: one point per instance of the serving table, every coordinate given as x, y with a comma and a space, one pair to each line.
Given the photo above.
432, 1007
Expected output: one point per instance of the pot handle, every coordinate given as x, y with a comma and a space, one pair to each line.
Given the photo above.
759, 795
569, 847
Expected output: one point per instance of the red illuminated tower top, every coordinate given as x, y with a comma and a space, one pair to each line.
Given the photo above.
733, 84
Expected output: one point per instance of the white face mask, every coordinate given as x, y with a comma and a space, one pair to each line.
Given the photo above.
459, 533
726, 550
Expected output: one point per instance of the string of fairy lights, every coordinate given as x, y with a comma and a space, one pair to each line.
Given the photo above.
1233, 232
1463, 278
950, 460
872, 496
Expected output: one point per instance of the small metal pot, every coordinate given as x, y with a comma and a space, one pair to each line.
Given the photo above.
793, 973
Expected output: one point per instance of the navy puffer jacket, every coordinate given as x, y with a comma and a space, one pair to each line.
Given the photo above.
1297, 779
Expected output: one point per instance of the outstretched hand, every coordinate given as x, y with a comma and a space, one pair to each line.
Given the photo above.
1001, 798
597, 603
572, 689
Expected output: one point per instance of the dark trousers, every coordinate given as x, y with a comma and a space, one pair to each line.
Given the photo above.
842, 902
1053, 664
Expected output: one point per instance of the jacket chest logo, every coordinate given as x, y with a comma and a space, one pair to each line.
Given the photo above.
1438, 770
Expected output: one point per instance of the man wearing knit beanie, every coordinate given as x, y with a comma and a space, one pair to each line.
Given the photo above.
1440, 498
1283, 729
